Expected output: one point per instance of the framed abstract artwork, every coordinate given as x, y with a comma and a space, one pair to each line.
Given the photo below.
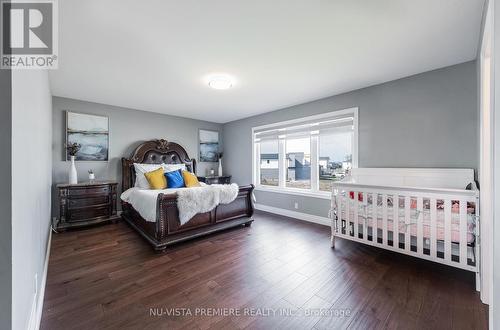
209, 145
91, 132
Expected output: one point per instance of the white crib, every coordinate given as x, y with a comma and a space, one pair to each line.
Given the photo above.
436, 217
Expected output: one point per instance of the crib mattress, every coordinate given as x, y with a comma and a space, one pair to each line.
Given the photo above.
412, 227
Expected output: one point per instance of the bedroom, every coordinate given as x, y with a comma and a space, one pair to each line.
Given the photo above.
249, 165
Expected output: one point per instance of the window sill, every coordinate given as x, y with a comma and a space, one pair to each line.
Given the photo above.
299, 192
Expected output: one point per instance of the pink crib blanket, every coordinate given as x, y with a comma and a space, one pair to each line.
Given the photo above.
411, 227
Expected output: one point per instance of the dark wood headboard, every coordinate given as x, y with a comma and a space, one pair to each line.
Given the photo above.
154, 152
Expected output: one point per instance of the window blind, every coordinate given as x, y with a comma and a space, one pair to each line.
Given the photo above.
306, 128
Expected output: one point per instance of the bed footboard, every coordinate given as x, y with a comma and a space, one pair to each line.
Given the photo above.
167, 229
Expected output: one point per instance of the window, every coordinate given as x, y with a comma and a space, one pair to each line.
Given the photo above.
298, 162
305, 155
335, 156
269, 172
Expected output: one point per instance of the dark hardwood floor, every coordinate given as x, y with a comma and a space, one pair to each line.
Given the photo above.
279, 273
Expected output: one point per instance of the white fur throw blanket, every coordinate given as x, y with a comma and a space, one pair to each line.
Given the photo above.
190, 201
204, 199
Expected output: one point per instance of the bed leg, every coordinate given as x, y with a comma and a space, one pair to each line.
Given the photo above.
332, 241
160, 250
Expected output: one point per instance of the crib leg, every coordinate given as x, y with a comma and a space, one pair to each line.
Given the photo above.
478, 282
332, 241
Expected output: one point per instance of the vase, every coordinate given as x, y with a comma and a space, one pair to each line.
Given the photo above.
73, 176
220, 167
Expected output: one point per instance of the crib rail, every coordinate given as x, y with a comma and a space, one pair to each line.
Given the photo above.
441, 225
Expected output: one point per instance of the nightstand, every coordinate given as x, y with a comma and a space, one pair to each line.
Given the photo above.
86, 204
225, 179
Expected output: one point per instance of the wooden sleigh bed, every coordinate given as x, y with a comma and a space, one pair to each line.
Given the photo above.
166, 230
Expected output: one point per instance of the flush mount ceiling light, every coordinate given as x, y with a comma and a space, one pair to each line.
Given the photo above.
220, 81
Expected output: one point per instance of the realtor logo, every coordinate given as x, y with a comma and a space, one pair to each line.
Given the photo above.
29, 34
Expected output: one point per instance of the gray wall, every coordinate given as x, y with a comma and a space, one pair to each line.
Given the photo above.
426, 120
495, 310
32, 159
5, 200
127, 128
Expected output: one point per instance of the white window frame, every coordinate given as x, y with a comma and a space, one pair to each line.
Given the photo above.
314, 191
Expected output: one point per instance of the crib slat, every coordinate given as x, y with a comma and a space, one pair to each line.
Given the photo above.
395, 221
433, 211
347, 214
463, 232
375, 217
355, 205
339, 211
384, 219
420, 225
408, 220
447, 229
333, 206
365, 219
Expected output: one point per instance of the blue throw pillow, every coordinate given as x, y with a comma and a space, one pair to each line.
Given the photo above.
174, 179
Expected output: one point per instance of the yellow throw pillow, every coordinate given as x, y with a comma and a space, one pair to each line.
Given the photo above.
190, 180
156, 179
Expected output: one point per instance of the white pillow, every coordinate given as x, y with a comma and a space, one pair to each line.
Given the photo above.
140, 169
173, 167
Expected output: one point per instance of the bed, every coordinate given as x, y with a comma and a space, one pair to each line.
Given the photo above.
166, 229
427, 213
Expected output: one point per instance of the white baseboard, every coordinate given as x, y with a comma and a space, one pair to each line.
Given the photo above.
37, 309
32, 320
294, 214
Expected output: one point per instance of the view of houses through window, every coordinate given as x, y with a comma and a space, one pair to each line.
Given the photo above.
315, 154
269, 170
335, 157
298, 162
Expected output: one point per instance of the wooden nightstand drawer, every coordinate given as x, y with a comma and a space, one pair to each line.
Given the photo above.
86, 204
85, 191
84, 214
88, 201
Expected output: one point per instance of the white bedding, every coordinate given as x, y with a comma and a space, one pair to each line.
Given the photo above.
190, 200
144, 200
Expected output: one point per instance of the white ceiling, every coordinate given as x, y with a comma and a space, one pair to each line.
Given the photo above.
153, 54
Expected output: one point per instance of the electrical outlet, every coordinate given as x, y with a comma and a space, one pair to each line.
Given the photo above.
296, 205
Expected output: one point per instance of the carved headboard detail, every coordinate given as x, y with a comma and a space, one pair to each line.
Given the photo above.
154, 152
